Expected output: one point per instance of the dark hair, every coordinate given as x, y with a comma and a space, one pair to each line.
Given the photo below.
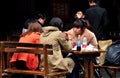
40, 15
28, 21
56, 22
33, 27
80, 23
96, 1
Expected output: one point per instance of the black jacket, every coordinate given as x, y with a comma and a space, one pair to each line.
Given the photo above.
98, 19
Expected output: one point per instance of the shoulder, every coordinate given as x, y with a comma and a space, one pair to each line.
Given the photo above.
59, 33
70, 31
35, 35
87, 31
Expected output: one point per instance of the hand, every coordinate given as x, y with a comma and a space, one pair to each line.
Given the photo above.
66, 35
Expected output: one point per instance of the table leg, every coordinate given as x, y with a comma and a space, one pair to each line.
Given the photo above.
86, 67
91, 67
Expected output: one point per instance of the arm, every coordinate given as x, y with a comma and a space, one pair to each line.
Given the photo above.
66, 45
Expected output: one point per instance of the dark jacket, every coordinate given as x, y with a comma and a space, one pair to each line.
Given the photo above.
98, 19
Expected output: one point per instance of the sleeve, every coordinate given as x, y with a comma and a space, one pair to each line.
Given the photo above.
66, 45
94, 41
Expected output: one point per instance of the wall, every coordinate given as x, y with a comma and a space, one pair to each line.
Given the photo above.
17, 11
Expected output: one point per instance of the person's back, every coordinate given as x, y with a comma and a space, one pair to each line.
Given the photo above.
98, 19
52, 35
32, 34
25, 60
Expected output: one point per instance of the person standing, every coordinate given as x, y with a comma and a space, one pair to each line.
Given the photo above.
98, 20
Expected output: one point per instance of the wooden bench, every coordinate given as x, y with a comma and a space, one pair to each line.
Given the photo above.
7, 48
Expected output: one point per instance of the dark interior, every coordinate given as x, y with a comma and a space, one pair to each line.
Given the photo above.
17, 11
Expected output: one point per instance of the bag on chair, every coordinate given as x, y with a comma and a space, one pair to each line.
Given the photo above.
103, 44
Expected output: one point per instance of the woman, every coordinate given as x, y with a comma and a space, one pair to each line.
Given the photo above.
80, 28
53, 35
25, 60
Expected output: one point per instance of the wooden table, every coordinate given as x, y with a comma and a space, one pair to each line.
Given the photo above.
88, 58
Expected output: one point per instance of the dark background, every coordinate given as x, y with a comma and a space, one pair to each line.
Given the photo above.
15, 12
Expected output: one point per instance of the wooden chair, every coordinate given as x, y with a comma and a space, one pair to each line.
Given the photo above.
113, 69
9, 47
112, 72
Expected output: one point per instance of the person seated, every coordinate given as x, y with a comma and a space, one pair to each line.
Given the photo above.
41, 18
53, 35
26, 60
79, 15
27, 23
80, 28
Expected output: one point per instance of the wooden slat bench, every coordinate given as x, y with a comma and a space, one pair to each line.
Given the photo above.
7, 48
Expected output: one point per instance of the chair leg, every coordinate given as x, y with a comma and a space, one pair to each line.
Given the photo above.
35, 76
113, 73
98, 73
